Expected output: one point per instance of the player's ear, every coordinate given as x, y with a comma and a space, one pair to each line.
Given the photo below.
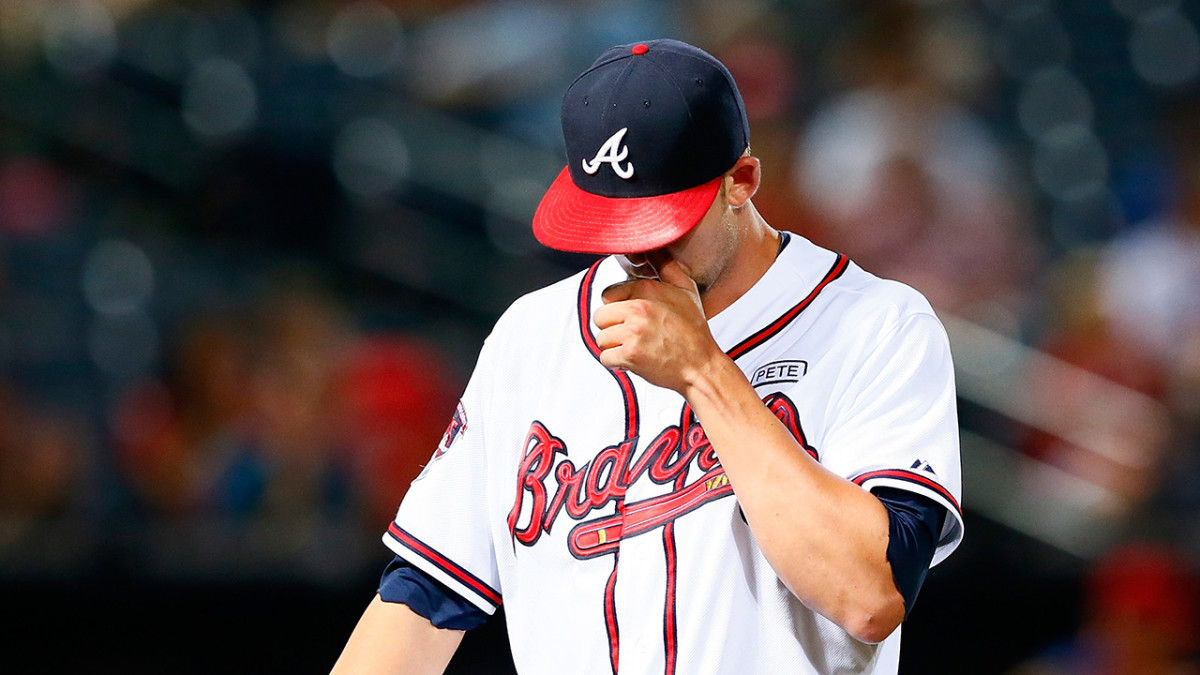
742, 181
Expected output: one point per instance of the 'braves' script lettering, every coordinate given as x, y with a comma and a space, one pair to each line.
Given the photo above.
606, 478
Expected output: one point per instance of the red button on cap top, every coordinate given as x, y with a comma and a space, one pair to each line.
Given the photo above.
640, 49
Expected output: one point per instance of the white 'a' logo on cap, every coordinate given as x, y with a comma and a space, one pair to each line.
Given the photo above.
612, 153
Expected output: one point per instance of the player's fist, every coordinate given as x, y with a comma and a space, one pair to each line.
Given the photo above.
656, 328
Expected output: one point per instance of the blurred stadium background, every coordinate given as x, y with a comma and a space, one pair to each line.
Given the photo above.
248, 252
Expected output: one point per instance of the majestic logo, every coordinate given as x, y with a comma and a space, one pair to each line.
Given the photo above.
922, 465
779, 372
605, 478
612, 153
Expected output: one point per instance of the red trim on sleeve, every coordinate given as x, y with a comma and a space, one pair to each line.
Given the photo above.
445, 564
911, 477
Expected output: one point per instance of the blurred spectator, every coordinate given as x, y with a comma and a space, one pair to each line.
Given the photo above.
285, 411
503, 63
42, 460
757, 42
1148, 279
1150, 275
397, 396
1108, 435
178, 441
243, 424
1141, 617
907, 180
293, 434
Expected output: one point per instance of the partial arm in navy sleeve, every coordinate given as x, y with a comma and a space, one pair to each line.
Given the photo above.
914, 527
402, 583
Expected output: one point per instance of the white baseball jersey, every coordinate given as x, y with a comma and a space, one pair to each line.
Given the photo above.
591, 504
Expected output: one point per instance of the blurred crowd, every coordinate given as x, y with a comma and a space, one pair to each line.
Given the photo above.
248, 250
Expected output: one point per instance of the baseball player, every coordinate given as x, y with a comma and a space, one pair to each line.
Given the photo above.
719, 449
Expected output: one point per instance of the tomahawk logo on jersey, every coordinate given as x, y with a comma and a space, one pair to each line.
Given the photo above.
592, 504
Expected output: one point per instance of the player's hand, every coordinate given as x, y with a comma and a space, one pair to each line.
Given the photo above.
657, 328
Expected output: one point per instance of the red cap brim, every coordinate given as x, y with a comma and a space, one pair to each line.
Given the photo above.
571, 219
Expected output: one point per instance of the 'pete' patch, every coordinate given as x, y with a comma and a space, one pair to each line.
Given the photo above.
779, 372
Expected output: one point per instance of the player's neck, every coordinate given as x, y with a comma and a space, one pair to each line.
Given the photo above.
757, 247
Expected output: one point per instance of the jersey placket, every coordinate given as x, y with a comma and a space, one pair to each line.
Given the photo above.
629, 395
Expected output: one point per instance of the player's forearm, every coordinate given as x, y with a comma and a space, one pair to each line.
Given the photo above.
825, 537
390, 638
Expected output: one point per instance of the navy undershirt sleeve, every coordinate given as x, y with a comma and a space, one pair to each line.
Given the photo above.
402, 583
914, 526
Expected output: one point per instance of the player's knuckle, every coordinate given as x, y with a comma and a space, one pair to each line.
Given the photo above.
629, 349
639, 307
636, 328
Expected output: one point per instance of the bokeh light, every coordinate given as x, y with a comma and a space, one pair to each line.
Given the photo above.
365, 39
1070, 162
219, 99
1029, 39
370, 157
1165, 48
118, 278
1053, 98
80, 36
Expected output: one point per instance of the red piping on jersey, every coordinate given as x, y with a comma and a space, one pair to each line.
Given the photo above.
610, 614
670, 615
445, 564
839, 266
584, 305
911, 477
585, 331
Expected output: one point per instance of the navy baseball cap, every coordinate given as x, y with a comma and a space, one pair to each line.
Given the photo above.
650, 128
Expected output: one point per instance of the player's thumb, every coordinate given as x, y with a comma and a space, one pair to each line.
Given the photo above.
671, 272
619, 291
